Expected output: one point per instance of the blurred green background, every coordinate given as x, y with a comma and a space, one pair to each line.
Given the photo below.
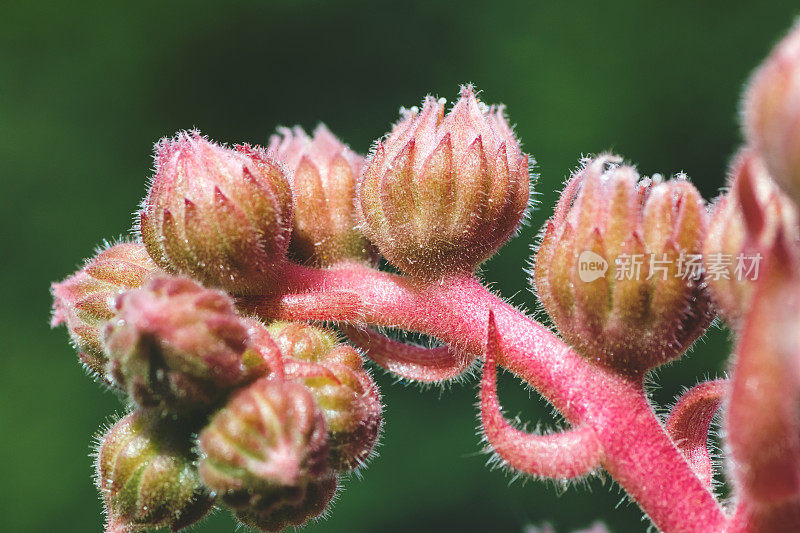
86, 88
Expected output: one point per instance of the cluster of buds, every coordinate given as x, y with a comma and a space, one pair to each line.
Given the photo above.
442, 193
613, 271
264, 418
290, 395
323, 173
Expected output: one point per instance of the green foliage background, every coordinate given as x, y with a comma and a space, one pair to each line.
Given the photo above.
86, 88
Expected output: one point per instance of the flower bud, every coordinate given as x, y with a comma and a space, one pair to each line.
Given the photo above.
85, 300
177, 345
346, 394
147, 476
615, 266
266, 454
323, 173
745, 223
219, 215
443, 192
772, 113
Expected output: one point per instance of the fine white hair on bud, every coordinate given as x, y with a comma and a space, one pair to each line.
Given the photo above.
442, 192
218, 214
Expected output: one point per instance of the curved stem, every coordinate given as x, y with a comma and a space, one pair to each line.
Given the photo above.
563, 455
417, 363
638, 452
690, 420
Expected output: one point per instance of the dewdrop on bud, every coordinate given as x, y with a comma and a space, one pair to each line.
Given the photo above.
772, 113
745, 224
222, 216
323, 172
85, 300
266, 455
441, 193
345, 392
147, 476
619, 268
176, 345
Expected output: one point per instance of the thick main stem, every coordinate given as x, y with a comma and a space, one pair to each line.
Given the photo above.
638, 452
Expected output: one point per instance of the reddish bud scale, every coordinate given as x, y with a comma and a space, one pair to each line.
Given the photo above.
176, 345
344, 391
763, 432
772, 113
745, 223
266, 454
147, 476
220, 215
323, 172
608, 269
443, 192
85, 300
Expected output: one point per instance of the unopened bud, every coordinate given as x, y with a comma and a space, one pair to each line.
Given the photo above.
177, 345
323, 173
614, 266
345, 392
744, 226
266, 455
443, 192
85, 300
147, 476
772, 113
219, 215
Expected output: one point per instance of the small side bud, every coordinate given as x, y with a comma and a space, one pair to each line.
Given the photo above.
323, 172
772, 113
219, 215
266, 454
347, 395
442, 193
147, 476
176, 345
614, 268
84, 302
745, 223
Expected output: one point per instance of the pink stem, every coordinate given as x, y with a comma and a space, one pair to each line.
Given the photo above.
562, 455
638, 452
427, 365
690, 420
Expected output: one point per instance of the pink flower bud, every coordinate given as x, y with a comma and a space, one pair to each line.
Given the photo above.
323, 172
772, 113
745, 223
177, 345
347, 395
85, 300
266, 454
147, 476
614, 269
443, 192
220, 215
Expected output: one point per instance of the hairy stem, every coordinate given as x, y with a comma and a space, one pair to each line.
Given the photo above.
637, 451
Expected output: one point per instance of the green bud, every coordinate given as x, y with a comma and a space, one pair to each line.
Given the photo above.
266, 454
347, 395
147, 476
